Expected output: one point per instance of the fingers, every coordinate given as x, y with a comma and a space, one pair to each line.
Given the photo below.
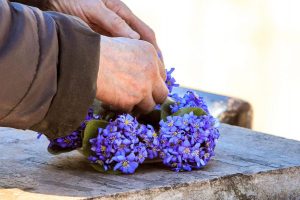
146, 105
112, 23
160, 91
145, 32
162, 70
158, 96
138, 25
99, 30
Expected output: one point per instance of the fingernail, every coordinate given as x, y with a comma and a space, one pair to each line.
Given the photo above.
134, 35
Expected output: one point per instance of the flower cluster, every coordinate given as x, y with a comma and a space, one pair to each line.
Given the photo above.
190, 99
122, 144
188, 141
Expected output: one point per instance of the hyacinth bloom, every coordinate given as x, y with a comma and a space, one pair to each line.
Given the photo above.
126, 164
188, 141
122, 145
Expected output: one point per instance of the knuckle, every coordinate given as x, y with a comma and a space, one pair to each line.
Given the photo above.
148, 45
151, 34
117, 23
165, 93
116, 2
149, 49
129, 103
148, 57
126, 105
117, 8
163, 74
162, 96
140, 90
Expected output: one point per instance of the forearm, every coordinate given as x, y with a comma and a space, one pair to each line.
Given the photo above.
48, 69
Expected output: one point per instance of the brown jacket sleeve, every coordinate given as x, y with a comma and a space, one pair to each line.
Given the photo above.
41, 4
48, 69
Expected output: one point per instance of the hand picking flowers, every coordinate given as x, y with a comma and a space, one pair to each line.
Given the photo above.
181, 133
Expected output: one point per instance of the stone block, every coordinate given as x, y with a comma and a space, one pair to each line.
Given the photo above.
247, 165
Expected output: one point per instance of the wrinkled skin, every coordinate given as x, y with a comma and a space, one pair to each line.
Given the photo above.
132, 79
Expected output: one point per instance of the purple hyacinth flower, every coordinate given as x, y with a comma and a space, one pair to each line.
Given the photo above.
188, 141
120, 145
126, 164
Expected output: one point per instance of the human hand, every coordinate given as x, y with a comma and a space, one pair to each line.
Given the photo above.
129, 76
107, 17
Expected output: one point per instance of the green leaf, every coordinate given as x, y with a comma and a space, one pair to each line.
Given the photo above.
91, 131
98, 168
196, 110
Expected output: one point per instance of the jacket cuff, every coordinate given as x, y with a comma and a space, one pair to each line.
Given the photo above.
79, 52
41, 4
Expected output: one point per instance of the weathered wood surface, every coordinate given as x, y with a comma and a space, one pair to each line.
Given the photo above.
248, 165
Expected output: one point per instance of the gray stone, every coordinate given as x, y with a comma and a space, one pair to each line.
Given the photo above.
248, 165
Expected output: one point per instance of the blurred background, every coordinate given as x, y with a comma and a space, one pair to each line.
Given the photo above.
248, 49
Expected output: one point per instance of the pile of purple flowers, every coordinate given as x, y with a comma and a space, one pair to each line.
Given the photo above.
184, 140
188, 141
121, 145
